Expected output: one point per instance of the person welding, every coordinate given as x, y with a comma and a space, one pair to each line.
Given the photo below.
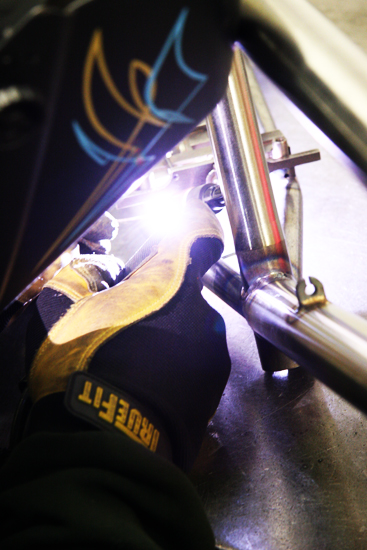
123, 378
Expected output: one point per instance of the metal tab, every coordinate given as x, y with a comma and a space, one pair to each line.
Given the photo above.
310, 301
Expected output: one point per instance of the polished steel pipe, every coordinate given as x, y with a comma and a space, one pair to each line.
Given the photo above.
293, 209
315, 64
240, 159
293, 224
264, 115
328, 341
225, 283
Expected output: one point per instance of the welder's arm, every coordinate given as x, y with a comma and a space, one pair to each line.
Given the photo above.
123, 382
94, 489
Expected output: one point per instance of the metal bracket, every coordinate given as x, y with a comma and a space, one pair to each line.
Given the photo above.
278, 155
291, 161
195, 150
310, 301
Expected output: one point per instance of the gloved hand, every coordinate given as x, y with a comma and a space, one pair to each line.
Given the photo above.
146, 357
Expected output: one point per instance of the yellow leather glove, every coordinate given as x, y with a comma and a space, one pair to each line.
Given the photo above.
147, 356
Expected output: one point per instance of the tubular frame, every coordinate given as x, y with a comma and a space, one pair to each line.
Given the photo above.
318, 335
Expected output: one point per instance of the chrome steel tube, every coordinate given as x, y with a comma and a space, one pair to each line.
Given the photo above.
226, 284
317, 66
264, 115
293, 209
293, 224
239, 155
328, 341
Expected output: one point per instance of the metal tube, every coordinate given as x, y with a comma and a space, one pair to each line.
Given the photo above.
293, 209
238, 150
328, 341
293, 224
315, 64
264, 115
226, 284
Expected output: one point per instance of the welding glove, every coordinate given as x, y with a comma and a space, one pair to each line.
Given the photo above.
97, 240
146, 357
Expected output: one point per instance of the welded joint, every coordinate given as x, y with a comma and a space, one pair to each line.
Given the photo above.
262, 282
310, 301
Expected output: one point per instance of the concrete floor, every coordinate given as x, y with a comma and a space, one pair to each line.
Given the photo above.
283, 466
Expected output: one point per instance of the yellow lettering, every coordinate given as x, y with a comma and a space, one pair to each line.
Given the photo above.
98, 397
134, 421
146, 432
121, 415
153, 445
85, 396
110, 407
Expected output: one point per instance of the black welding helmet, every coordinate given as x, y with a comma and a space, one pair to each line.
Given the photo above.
92, 94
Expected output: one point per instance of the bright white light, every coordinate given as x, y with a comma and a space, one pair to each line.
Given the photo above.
163, 214
281, 374
106, 243
134, 186
159, 178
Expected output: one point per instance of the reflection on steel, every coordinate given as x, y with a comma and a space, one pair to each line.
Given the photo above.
330, 342
210, 193
293, 223
278, 152
271, 358
225, 283
316, 65
262, 110
241, 163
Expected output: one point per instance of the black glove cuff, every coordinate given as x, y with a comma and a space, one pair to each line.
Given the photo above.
93, 400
